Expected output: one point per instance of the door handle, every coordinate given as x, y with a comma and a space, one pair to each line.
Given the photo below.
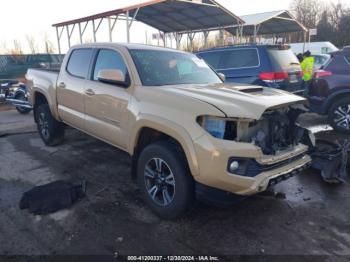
62, 85
90, 92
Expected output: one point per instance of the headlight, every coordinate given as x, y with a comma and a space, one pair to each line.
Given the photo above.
221, 128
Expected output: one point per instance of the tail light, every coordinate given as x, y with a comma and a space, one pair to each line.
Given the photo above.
322, 73
274, 76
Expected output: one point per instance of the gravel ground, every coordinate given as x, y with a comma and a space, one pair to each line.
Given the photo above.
312, 219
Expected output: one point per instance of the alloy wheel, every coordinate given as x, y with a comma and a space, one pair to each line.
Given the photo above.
44, 126
342, 116
159, 181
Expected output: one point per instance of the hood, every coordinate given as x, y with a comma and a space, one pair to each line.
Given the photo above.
236, 100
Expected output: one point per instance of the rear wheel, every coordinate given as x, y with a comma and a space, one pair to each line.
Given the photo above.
22, 110
51, 131
164, 179
339, 116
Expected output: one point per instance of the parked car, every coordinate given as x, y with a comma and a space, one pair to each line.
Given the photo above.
321, 60
185, 129
316, 48
265, 65
15, 92
330, 91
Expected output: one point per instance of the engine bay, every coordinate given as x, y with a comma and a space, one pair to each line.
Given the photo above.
276, 131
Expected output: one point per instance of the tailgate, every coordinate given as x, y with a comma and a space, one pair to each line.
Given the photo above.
283, 60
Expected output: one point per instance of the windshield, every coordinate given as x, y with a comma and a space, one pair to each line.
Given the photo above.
158, 68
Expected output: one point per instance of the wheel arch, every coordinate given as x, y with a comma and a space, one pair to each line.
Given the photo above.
39, 98
335, 97
164, 129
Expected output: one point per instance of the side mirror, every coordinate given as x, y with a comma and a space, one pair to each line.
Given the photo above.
112, 76
222, 77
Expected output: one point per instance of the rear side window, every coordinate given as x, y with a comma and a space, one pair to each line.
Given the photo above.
212, 59
79, 62
240, 58
232, 59
283, 58
109, 59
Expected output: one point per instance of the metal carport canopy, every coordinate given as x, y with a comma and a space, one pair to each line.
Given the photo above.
172, 16
275, 22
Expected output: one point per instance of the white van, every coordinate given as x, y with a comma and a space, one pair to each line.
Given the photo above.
316, 48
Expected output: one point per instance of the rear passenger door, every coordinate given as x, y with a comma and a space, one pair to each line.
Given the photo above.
70, 87
106, 105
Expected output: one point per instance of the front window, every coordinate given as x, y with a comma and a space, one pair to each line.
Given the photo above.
109, 59
158, 68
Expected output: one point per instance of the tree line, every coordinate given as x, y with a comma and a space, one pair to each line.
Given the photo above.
332, 20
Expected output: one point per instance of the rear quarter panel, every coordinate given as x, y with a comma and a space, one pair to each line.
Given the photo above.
43, 82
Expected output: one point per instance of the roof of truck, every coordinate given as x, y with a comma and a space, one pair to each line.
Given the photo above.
126, 45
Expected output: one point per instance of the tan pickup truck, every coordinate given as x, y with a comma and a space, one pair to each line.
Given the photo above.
185, 129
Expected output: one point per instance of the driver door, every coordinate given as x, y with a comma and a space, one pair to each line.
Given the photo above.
106, 105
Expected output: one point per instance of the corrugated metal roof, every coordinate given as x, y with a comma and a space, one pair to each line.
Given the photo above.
173, 15
269, 23
255, 19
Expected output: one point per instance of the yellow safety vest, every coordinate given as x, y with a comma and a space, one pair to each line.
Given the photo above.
308, 68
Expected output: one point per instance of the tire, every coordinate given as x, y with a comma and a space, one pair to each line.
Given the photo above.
169, 193
22, 110
51, 131
339, 116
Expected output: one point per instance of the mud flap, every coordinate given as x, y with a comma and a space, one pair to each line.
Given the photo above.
332, 160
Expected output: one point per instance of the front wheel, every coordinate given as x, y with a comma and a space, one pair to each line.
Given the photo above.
164, 179
22, 110
339, 116
51, 131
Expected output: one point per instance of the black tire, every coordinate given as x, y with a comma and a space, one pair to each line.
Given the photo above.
339, 116
51, 131
22, 110
166, 205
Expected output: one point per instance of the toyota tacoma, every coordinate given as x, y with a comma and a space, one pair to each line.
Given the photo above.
187, 131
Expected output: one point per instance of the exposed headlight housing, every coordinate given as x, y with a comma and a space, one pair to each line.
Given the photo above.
221, 128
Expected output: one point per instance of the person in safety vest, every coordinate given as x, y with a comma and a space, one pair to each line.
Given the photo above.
307, 65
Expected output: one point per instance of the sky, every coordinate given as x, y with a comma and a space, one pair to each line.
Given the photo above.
21, 19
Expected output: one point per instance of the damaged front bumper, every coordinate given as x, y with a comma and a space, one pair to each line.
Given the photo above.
215, 157
332, 159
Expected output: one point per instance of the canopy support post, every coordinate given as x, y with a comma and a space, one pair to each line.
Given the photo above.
191, 38
59, 36
80, 34
129, 23
69, 34
111, 27
94, 30
206, 35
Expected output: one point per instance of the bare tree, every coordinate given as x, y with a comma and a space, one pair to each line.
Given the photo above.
17, 48
308, 12
49, 46
3, 47
32, 44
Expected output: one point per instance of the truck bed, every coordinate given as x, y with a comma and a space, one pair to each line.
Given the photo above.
45, 80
